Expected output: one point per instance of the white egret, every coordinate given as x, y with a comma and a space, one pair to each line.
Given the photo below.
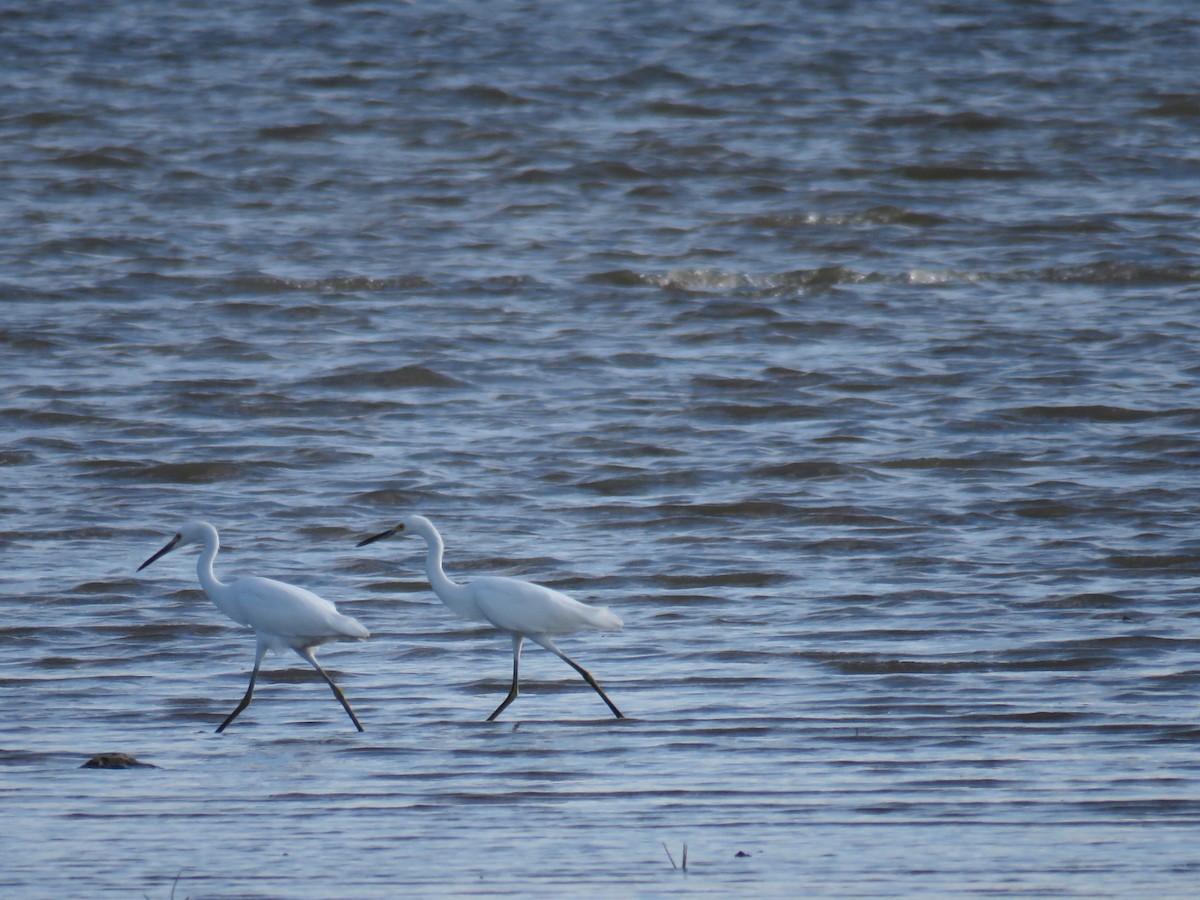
519, 608
282, 615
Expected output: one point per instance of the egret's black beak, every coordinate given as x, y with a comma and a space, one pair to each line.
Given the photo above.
378, 537
171, 544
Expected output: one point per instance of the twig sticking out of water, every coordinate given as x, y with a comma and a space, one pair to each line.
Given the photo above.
174, 884
672, 859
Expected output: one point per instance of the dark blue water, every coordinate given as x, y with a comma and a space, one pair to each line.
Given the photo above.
848, 354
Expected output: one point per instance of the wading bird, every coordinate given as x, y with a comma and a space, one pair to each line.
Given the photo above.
282, 615
519, 608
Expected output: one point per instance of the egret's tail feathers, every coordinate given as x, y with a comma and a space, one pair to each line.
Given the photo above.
351, 628
604, 619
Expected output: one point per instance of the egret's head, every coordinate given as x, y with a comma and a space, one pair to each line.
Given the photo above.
410, 525
191, 533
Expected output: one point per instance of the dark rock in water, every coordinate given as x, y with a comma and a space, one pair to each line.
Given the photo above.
116, 761
741, 854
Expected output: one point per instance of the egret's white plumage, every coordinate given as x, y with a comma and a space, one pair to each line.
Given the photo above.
520, 608
283, 616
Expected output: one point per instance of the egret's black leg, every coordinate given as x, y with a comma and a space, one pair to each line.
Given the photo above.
258, 658
587, 676
308, 657
515, 689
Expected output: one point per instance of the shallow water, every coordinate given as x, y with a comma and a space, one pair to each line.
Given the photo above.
850, 357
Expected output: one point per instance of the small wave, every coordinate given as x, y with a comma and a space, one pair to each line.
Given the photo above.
809, 470
228, 348
260, 283
688, 599
960, 173
937, 277
104, 158
207, 472
884, 214
649, 74
724, 579
640, 483
870, 664
489, 95
1087, 600
716, 280
605, 170
767, 509
1175, 106
100, 245
979, 461
677, 109
730, 383
16, 458
411, 376
46, 118
392, 499
1047, 509
969, 121
159, 633
50, 418
627, 449
1138, 642
742, 509
766, 412
1095, 413
1154, 562
304, 131
340, 80
1067, 225
725, 310
707, 280
1116, 272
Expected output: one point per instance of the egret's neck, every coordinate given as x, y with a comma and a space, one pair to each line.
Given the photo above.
214, 589
450, 593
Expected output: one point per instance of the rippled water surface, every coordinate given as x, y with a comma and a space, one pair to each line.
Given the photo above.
850, 356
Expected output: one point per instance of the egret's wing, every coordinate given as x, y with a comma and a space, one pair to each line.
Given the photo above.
525, 608
292, 612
